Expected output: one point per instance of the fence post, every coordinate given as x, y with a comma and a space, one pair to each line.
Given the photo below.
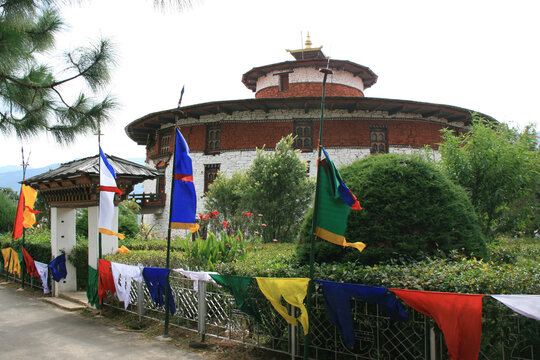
202, 308
292, 333
432, 344
140, 297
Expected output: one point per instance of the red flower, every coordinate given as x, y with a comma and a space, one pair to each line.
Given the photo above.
263, 225
244, 213
228, 245
225, 224
200, 216
249, 214
274, 240
260, 214
215, 212
206, 217
237, 239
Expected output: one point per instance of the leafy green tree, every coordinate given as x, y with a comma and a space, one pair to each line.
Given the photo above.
227, 196
12, 194
280, 189
410, 209
127, 220
500, 169
33, 97
8, 208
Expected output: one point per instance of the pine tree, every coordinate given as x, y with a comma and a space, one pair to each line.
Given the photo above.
33, 96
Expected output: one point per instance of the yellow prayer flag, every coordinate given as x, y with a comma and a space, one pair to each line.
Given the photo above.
11, 261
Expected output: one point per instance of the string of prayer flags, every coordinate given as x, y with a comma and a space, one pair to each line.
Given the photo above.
43, 272
459, 316
30, 264
105, 281
11, 261
526, 305
58, 267
156, 281
238, 286
92, 288
122, 276
293, 291
337, 297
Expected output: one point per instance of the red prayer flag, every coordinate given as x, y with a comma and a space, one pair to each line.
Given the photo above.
19, 216
30, 265
106, 281
459, 316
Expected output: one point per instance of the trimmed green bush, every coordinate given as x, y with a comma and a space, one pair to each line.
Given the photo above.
8, 208
410, 210
151, 258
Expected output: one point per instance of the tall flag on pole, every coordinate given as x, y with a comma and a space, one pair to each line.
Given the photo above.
184, 199
25, 216
181, 96
107, 189
334, 203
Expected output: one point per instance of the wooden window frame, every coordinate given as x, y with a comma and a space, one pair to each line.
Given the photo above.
210, 173
375, 140
165, 139
303, 142
213, 138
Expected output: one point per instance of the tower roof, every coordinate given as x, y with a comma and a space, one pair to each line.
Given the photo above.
308, 52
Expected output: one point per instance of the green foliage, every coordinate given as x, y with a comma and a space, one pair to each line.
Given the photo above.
37, 243
410, 210
30, 93
79, 258
500, 168
204, 253
276, 186
8, 208
11, 194
151, 258
227, 196
127, 218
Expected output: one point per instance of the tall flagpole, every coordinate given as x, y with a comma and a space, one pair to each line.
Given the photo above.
99, 191
326, 72
168, 262
24, 166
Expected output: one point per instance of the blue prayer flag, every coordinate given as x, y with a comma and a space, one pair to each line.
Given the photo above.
337, 297
184, 206
156, 281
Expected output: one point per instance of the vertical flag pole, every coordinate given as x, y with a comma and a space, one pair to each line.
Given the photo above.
313, 224
99, 189
168, 263
23, 270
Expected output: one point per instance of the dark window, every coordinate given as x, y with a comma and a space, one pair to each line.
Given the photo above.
164, 144
283, 82
303, 131
379, 140
213, 138
160, 185
210, 173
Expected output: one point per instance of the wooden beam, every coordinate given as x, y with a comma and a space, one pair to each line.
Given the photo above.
395, 110
431, 113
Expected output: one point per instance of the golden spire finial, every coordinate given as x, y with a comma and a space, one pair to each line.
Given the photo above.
308, 42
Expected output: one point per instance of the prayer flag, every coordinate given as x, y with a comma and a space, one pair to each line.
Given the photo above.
156, 281
181, 96
107, 189
526, 305
11, 261
459, 316
58, 267
105, 280
25, 216
293, 291
337, 297
43, 271
30, 263
238, 286
334, 203
184, 199
122, 275
92, 288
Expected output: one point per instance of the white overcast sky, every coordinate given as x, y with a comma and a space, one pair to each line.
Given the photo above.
480, 55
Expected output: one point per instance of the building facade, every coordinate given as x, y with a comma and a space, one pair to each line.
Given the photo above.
223, 136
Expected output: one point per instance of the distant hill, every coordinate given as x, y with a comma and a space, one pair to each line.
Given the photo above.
11, 175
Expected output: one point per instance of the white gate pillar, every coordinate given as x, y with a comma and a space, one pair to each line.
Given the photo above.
109, 243
63, 238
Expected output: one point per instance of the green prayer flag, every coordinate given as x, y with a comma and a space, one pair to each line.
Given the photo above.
92, 288
333, 205
238, 286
